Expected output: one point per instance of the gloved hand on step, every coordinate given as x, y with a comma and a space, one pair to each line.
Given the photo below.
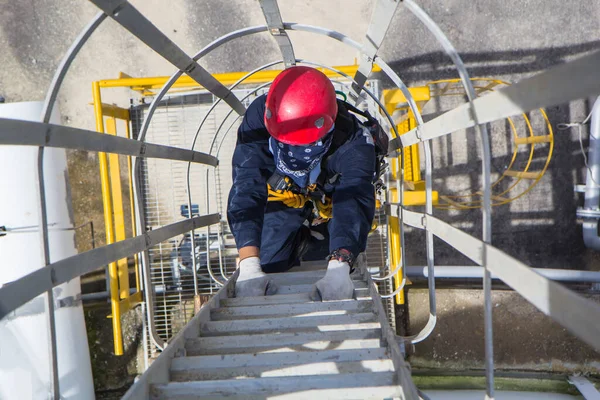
336, 284
252, 281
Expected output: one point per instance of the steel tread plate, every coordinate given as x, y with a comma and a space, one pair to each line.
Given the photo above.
377, 385
292, 310
318, 324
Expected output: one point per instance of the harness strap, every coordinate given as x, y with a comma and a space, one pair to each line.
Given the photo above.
323, 206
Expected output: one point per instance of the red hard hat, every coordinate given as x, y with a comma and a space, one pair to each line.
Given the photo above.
301, 106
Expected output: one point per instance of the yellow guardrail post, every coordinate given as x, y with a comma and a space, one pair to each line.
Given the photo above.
110, 233
394, 100
118, 212
394, 237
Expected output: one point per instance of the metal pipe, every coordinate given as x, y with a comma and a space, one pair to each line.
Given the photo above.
61, 364
95, 296
592, 189
475, 272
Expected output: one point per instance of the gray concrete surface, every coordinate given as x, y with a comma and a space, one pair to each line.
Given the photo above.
509, 40
524, 339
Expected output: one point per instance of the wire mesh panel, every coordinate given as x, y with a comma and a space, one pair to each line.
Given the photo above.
165, 200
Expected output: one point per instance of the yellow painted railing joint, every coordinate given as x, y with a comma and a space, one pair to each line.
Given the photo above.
522, 175
534, 139
130, 302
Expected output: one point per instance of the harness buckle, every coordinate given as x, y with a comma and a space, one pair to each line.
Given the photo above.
279, 182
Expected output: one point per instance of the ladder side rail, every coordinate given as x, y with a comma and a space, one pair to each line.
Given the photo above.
396, 352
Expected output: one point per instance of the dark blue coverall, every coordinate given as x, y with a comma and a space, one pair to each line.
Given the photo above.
275, 228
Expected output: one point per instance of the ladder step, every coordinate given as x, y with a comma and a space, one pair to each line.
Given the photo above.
306, 277
304, 369
291, 310
180, 364
307, 288
305, 324
276, 299
284, 342
374, 385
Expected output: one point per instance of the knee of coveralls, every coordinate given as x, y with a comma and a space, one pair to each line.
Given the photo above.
281, 236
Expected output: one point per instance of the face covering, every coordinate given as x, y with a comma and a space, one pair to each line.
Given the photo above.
301, 163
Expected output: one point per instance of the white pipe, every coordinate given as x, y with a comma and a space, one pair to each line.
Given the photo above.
592, 189
24, 350
465, 272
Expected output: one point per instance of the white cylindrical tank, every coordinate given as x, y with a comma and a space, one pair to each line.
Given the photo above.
24, 346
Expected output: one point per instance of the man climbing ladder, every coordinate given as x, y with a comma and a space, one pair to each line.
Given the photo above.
301, 160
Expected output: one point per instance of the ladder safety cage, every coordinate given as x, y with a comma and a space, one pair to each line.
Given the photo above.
545, 89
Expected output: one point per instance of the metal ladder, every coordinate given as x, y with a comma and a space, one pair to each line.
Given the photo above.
283, 346
286, 338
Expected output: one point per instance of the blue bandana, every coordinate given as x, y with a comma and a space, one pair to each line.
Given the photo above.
301, 163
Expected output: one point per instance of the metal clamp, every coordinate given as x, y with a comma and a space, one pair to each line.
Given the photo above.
419, 133
588, 213
277, 31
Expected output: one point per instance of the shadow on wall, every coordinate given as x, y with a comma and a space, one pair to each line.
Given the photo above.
541, 228
437, 65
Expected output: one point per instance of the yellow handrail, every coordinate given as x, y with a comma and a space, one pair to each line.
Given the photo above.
228, 78
108, 225
394, 100
121, 300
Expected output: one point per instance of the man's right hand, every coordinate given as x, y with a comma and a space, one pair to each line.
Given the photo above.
252, 281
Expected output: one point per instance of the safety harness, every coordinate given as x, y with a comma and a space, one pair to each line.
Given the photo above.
282, 188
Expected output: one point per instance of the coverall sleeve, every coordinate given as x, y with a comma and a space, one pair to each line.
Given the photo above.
252, 165
353, 198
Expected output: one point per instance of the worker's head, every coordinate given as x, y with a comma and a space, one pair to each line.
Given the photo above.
301, 106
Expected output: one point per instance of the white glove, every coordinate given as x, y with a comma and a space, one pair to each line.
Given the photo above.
335, 285
252, 281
